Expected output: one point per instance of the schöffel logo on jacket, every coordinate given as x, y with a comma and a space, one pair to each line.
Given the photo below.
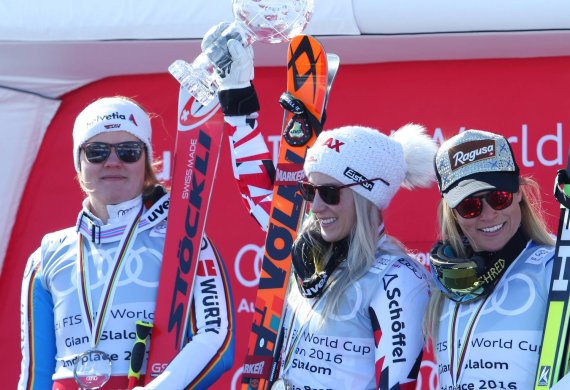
469, 152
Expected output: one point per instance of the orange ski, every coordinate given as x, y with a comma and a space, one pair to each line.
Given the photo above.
308, 83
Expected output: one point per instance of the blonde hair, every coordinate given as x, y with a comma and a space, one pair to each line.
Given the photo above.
532, 223
361, 253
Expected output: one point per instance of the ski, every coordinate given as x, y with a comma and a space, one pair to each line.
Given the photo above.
310, 74
197, 149
554, 354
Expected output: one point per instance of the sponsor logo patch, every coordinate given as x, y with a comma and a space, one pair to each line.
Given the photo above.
358, 177
470, 152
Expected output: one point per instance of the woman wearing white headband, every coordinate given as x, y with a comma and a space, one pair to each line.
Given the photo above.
356, 302
85, 286
492, 267
357, 298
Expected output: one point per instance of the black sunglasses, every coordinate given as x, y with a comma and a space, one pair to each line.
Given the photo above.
330, 194
98, 152
472, 206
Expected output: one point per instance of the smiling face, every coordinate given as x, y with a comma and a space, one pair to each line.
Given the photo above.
336, 221
112, 181
491, 230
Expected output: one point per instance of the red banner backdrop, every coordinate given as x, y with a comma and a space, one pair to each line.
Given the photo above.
524, 99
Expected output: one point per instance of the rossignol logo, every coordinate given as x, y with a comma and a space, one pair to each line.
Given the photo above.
113, 126
110, 117
357, 178
470, 152
198, 161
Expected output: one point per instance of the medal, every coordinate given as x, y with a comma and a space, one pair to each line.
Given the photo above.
92, 369
280, 384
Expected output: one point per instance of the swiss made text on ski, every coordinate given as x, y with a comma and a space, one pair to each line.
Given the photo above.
554, 356
310, 73
198, 141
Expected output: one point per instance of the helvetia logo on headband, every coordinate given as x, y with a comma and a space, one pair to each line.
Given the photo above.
101, 118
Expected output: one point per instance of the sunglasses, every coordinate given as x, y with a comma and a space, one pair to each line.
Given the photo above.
128, 152
472, 206
329, 194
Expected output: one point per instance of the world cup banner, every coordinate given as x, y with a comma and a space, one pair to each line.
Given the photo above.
525, 100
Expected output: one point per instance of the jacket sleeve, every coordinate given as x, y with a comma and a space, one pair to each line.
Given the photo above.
210, 349
37, 329
396, 314
252, 166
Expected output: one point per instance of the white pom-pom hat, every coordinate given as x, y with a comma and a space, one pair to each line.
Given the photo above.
353, 154
107, 115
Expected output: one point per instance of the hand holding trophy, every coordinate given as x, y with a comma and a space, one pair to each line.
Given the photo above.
269, 21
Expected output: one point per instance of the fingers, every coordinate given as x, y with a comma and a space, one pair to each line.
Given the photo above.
213, 33
237, 51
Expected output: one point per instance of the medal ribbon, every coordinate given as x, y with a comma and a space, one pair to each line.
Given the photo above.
537, 256
454, 322
95, 326
290, 344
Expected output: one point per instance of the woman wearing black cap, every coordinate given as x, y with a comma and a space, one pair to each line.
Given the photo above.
492, 267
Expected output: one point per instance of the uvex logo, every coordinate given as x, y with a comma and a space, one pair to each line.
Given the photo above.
469, 152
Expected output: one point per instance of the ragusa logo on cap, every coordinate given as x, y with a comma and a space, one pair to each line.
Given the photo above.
470, 152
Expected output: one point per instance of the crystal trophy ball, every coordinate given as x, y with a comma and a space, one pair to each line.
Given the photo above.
270, 21
274, 21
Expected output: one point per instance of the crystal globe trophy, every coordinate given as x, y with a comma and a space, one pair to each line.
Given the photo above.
269, 21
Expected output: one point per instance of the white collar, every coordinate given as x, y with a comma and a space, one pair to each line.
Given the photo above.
117, 212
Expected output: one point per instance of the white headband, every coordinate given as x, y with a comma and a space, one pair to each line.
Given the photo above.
107, 115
